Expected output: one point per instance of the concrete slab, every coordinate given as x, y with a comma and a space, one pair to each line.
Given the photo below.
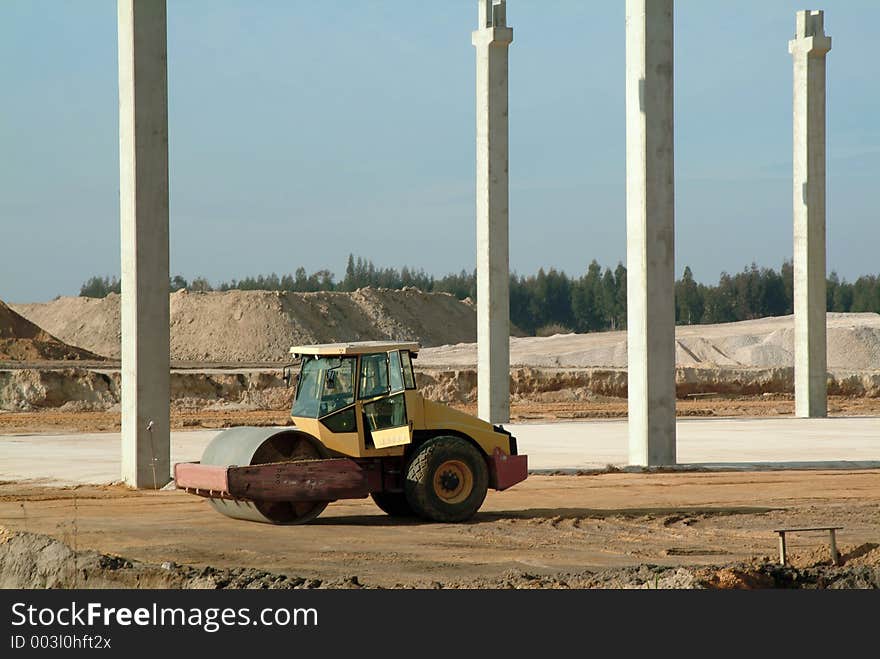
81, 458
852, 442
779, 443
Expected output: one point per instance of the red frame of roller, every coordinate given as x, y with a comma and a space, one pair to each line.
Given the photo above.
322, 480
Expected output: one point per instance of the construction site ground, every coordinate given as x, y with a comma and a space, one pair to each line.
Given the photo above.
551, 531
605, 527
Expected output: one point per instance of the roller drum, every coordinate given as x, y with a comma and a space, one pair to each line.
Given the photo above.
239, 447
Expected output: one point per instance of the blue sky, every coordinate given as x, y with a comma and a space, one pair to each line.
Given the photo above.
304, 130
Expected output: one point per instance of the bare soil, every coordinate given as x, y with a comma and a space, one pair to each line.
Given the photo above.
22, 340
261, 326
620, 530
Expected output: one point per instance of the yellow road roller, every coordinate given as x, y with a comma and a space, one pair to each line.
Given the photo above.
360, 428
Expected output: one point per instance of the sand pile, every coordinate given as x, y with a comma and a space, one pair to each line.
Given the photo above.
37, 561
90, 323
260, 326
768, 343
22, 340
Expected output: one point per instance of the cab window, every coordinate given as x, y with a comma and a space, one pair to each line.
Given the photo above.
374, 375
406, 362
326, 384
395, 373
386, 413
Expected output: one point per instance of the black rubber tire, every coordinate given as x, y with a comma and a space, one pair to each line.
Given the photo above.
393, 503
419, 485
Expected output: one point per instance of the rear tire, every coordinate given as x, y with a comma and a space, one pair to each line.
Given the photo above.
393, 503
446, 480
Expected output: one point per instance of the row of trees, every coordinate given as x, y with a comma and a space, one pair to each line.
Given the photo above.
552, 301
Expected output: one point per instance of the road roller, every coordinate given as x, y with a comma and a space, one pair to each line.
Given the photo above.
360, 428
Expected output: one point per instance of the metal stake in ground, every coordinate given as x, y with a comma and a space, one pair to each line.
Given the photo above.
154, 459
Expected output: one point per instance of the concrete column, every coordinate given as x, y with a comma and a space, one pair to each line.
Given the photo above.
143, 191
492, 39
650, 231
808, 49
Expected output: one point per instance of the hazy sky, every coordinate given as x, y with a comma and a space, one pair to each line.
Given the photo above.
304, 130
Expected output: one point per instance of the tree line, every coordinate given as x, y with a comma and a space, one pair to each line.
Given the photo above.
551, 301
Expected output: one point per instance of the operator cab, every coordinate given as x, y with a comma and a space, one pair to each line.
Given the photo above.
359, 388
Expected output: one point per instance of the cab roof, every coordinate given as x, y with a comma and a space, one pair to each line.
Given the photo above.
354, 348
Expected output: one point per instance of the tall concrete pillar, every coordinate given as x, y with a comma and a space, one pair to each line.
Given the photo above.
809, 48
650, 231
143, 190
492, 39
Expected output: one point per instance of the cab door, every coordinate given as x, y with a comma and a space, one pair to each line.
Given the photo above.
381, 390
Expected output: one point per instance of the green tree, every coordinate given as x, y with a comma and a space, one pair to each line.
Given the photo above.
620, 283
585, 305
866, 294
200, 285
100, 287
348, 282
688, 299
787, 274
178, 283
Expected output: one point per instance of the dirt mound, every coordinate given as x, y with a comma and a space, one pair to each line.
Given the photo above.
867, 554
22, 340
737, 576
31, 560
90, 323
853, 345
260, 326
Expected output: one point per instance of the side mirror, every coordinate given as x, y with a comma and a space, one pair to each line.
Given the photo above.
287, 375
